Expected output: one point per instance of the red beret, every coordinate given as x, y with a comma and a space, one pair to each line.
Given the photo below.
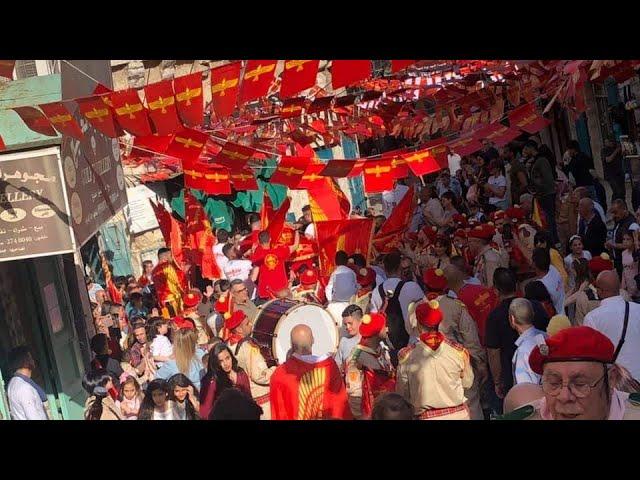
600, 263
235, 319
515, 213
184, 323
460, 219
192, 299
574, 344
460, 233
309, 277
428, 314
434, 279
485, 232
366, 276
372, 324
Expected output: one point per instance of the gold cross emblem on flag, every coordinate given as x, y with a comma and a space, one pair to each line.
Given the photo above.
188, 94
216, 177
189, 142
312, 178
291, 109
290, 171
378, 170
297, 64
222, 86
242, 177
417, 157
193, 173
129, 110
162, 103
396, 162
60, 119
97, 114
258, 71
234, 154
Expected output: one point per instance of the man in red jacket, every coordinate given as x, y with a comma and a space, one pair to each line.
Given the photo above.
306, 386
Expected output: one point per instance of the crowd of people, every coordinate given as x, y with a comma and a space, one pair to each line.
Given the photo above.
512, 294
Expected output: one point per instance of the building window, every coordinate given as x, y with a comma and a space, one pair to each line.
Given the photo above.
26, 69
604, 115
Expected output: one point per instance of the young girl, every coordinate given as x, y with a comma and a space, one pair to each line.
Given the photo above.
223, 372
577, 252
542, 239
161, 348
184, 397
100, 405
130, 398
441, 252
629, 266
156, 404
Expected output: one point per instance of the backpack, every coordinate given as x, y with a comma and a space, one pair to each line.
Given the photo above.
395, 321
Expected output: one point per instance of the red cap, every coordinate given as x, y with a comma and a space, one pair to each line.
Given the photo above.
515, 213
600, 263
574, 344
235, 319
372, 324
428, 314
184, 323
223, 306
366, 276
309, 277
460, 219
460, 233
485, 232
434, 279
192, 299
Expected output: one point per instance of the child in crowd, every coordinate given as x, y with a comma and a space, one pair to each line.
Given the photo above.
130, 398
161, 348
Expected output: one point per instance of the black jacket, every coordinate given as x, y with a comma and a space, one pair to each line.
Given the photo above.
593, 234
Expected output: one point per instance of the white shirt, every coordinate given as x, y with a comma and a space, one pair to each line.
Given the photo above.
95, 288
454, 163
381, 276
499, 181
238, 269
221, 260
526, 342
343, 284
161, 347
390, 198
310, 231
608, 319
345, 350
555, 286
24, 401
410, 293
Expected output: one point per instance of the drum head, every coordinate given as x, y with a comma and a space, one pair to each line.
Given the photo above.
325, 333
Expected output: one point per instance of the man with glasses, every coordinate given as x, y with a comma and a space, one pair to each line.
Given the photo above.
574, 368
241, 300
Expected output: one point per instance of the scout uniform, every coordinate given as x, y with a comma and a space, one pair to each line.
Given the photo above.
250, 359
307, 290
366, 278
433, 373
488, 259
191, 301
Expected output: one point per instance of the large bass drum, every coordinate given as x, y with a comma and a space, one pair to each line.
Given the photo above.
276, 319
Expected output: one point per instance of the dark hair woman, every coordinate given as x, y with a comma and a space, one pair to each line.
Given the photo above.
223, 373
184, 397
537, 291
156, 404
100, 405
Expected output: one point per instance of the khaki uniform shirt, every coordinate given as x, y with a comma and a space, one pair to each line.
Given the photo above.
486, 263
250, 359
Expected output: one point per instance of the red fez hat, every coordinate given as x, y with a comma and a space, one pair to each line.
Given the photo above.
184, 323
574, 344
309, 277
192, 299
460, 219
366, 276
428, 314
223, 306
600, 263
485, 232
372, 324
460, 233
434, 279
430, 232
235, 319
515, 213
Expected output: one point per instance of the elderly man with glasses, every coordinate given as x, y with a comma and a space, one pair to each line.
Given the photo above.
574, 364
241, 300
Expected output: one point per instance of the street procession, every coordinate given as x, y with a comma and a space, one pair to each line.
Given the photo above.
320, 240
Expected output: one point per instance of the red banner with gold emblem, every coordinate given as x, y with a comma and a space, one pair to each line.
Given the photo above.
162, 107
312, 178
328, 201
497, 133
99, 115
209, 179
199, 237
465, 146
390, 234
35, 120
257, 78
130, 113
292, 107
422, 162
225, 85
290, 171
350, 235
527, 118
187, 145
234, 156
189, 99
298, 75
61, 119
277, 219
378, 176
244, 180
348, 72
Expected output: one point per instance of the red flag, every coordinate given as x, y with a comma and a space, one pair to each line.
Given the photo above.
292, 107
225, 83
298, 75
399, 166
397, 65
465, 146
348, 72
99, 115
390, 234
290, 171
211, 180
257, 79
496, 133
187, 145
266, 211
130, 113
349, 235
190, 103
199, 237
328, 201
6, 68
147, 146
527, 118
35, 120
276, 222
378, 176
422, 162
342, 168
438, 150
61, 119
234, 156
312, 177
162, 107
171, 229
244, 180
